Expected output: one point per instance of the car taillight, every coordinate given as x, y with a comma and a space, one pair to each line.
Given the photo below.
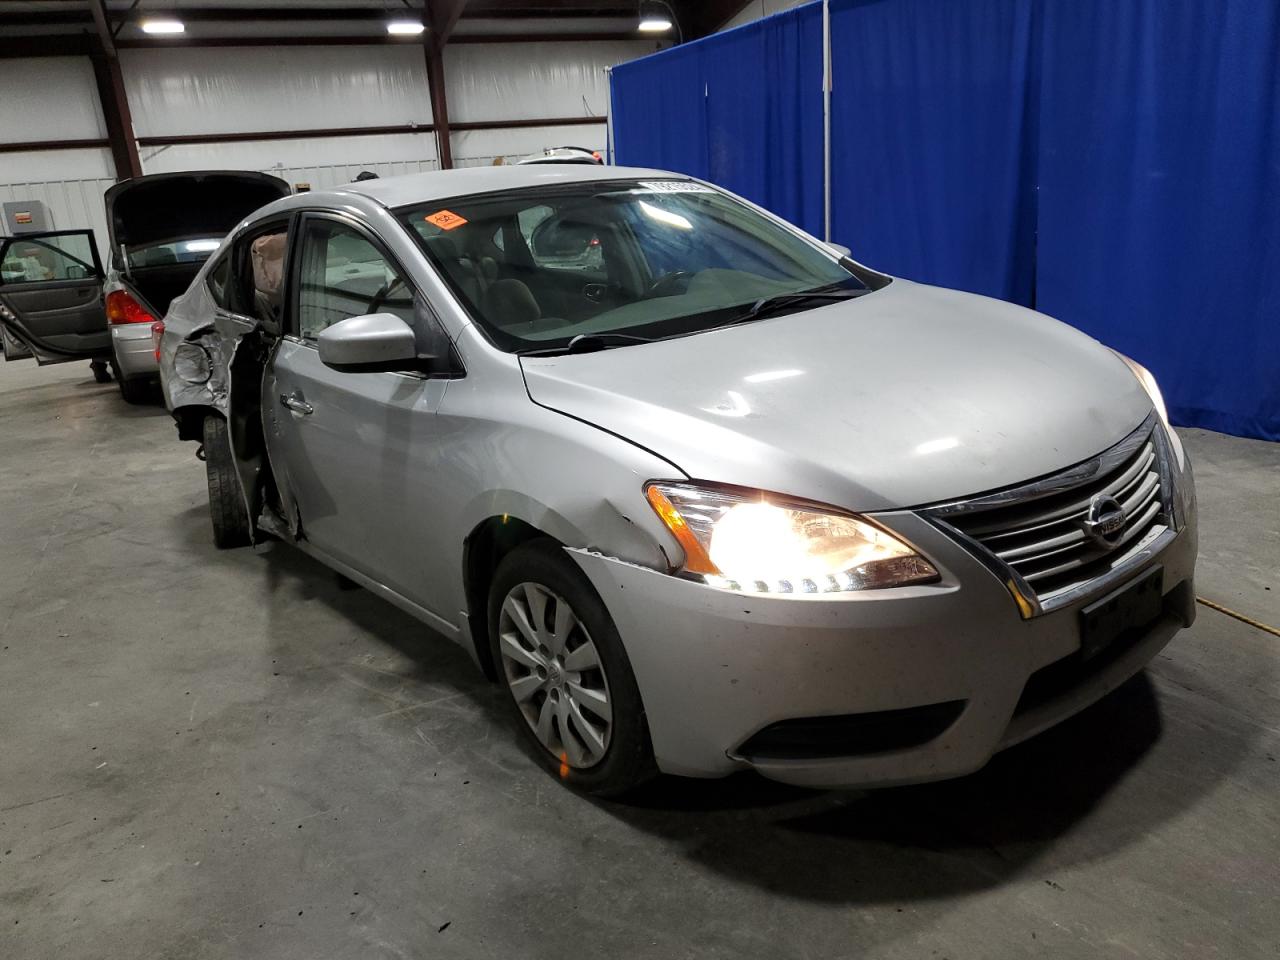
157, 331
122, 308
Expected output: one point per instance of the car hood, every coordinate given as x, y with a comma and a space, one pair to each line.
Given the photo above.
903, 397
164, 207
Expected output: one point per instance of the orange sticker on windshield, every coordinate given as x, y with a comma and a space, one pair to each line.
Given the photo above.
445, 219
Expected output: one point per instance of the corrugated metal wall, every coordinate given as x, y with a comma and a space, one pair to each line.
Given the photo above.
55, 98
223, 90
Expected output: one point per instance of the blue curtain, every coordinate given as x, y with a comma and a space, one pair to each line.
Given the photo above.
1159, 176
933, 140
660, 111
1115, 163
742, 109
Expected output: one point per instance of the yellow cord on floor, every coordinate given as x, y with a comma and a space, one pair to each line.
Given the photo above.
1239, 616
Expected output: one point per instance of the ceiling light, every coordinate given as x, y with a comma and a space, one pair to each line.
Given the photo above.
405, 28
163, 26
654, 18
655, 24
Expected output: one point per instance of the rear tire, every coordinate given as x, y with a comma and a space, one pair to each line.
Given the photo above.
571, 681
134, 391
226, 503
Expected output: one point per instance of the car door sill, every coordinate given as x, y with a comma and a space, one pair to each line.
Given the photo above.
277, 528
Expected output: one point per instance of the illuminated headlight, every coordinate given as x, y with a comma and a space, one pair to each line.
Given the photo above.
1148, 384
744, 540
191, 363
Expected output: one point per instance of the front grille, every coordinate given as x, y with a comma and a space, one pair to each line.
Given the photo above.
1038, 532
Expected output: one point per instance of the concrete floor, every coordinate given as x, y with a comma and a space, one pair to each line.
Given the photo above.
207, 754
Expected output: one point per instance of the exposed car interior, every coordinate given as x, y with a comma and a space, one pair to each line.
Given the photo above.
166, 226
554, 264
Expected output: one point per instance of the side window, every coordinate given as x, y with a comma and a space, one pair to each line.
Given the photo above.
49, 257
255, 284
529, 219
563, 243
219, 282
342, 274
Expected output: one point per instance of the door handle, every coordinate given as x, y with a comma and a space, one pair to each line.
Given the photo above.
295, 403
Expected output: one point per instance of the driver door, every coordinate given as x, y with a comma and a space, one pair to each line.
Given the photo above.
354, 453
51, 297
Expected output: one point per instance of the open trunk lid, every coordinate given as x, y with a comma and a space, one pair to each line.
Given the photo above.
166, 207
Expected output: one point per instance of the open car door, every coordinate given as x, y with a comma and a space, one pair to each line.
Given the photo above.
51, 296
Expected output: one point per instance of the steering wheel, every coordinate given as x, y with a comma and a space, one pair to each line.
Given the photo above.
665, 285
383, 293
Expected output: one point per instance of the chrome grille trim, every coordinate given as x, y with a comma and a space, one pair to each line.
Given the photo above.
1032, 536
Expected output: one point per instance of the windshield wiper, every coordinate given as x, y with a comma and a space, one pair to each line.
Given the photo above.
784, 301
589, 343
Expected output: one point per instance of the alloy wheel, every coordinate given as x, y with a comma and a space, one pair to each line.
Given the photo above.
555, 674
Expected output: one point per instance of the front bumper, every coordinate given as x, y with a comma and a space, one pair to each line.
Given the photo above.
716, 668
134, 350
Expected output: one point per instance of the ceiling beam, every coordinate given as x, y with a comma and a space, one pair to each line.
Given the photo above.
551, 8
45, 45
443, 17
24, 146
114, 100
476, 9
706, 17
340, 41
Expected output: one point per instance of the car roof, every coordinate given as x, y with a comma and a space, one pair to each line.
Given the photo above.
443, 184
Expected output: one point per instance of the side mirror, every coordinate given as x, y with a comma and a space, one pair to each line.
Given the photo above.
368, 344
841, 249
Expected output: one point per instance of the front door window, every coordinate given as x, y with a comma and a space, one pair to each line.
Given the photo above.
344, 275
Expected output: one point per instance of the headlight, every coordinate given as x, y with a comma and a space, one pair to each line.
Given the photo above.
1157, 399
1148, 384
743, 540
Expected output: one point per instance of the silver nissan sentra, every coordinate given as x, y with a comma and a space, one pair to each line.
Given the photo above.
700, 491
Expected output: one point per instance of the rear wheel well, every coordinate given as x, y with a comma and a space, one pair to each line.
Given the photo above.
190, 421
483, 550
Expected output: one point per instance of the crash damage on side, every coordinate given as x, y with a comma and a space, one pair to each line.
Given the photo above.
212, 378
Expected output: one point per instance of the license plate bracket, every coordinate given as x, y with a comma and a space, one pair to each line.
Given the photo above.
1126, 608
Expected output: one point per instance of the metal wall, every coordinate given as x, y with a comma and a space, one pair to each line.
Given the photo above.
503, 81
235, 90
55, 98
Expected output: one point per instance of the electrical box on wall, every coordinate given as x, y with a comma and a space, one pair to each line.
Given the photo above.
25, 216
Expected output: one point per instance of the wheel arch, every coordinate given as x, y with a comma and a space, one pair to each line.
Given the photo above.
190, 419
483, 549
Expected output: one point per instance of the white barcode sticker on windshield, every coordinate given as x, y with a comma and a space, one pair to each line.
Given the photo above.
675, 186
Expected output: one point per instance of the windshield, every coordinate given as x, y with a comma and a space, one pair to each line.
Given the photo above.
645, 259
178, 251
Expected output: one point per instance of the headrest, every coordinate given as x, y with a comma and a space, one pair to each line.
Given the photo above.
509, 303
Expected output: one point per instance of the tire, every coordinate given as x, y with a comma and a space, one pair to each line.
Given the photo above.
226, 504
134, 391
602, 757
100, 372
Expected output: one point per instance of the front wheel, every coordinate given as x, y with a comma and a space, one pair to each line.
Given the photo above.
566, 672
226, 504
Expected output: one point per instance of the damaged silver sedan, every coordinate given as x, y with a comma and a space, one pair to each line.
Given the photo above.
702, 493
